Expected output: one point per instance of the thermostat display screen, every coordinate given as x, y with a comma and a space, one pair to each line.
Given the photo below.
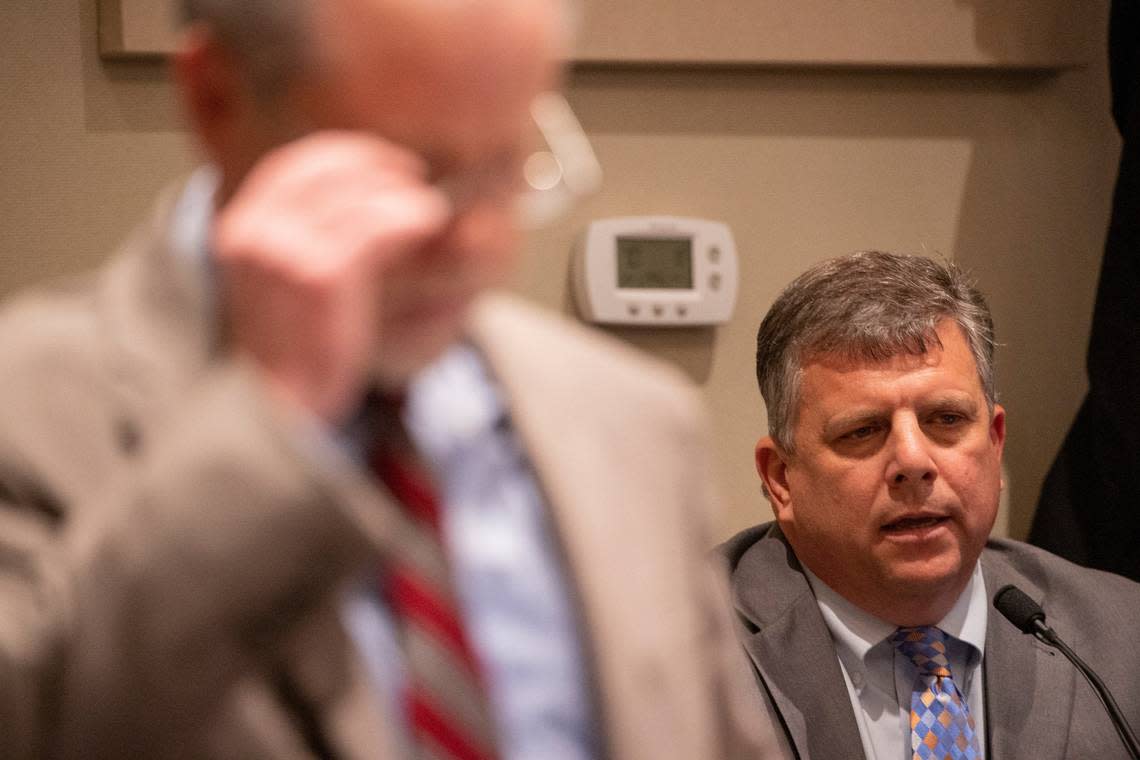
655, 262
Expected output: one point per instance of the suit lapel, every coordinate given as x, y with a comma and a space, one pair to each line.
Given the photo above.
792, 648
1029, 687
625, 561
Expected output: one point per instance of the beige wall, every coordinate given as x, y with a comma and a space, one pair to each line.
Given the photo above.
84, 145
1010, 174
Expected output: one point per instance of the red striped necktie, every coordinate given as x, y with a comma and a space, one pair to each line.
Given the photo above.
445, 697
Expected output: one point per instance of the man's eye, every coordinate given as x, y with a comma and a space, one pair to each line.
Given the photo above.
949, 419
860, 433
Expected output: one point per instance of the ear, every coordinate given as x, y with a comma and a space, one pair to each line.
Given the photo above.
997, 428
212, 89
772, 466
997, 434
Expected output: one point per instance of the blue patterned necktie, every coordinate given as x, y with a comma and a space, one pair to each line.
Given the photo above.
941, 727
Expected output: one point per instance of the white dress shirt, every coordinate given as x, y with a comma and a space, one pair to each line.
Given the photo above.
880, 680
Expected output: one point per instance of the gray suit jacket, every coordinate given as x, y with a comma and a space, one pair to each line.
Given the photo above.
1037, 706
173, 557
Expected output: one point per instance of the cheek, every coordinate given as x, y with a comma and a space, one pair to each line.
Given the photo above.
976, 470
479, 249
976, 482
831, 499
487, 231
498, 259
852, 496
844, 482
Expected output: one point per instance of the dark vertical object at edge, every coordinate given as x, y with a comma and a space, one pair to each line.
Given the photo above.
1089, 510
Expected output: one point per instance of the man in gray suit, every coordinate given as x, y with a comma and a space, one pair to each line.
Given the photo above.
214, 539
865, 605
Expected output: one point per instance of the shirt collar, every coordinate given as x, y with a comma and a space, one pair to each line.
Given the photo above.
189, 236
856, 631
453, 404
967, 619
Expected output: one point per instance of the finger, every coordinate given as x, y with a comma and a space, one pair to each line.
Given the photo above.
376, 230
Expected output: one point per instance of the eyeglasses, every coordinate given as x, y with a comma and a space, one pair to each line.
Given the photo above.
561, 172
556, 174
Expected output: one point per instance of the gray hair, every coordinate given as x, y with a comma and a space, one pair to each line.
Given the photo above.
869, 305
269, 36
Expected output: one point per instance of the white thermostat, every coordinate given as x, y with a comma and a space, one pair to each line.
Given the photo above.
656, 271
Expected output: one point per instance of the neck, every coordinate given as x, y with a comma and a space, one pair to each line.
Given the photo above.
903, 608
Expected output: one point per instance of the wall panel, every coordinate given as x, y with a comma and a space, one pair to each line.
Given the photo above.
1047, 34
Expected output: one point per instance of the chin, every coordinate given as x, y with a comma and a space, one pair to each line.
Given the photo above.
933, 576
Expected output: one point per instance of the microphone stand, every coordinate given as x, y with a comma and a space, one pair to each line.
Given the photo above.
1049, 637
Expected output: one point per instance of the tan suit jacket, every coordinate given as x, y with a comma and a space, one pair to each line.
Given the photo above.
173, 558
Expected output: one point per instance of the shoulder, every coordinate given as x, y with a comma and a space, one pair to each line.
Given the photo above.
1056, 572
64, 378
1067, 592
562, 355
732, 552
62, 326
766, 578
47, 335
58, 431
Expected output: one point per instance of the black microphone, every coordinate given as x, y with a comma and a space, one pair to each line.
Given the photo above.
1028, 617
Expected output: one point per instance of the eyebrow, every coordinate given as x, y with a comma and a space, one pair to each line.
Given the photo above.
958, 401
849, 420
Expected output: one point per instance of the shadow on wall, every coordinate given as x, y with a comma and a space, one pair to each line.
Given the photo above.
1003, 28
690, 348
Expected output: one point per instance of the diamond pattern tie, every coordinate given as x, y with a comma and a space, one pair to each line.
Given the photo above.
445, 698
940, 724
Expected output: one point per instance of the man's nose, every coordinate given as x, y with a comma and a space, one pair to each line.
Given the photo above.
911, 462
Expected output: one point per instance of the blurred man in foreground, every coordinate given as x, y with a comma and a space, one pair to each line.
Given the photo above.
866, 603
282, 480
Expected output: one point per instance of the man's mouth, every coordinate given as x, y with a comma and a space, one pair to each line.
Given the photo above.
914, 523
